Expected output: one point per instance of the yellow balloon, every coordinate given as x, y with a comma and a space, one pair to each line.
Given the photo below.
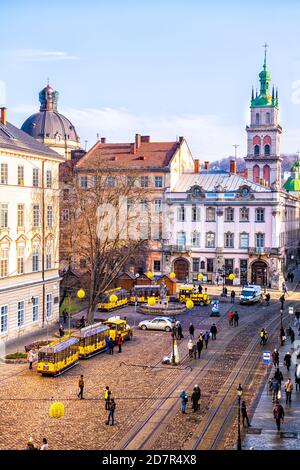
172, 275
57, 410
149, 274
113, 298
200, 276
80, 294
189, 304
151, 301
231, 276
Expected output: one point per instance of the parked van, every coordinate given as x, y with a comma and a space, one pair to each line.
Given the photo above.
251, 294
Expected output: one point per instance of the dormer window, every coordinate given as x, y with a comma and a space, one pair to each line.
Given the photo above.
257, 118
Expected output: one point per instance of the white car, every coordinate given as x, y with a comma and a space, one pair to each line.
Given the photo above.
158, 323
251, 294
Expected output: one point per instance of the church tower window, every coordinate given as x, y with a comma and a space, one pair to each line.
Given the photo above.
257, 118
267, 150
256, 150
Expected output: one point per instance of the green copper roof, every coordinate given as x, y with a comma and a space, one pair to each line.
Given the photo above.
292, 184
264, 98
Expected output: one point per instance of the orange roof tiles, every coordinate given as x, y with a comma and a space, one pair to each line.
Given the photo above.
147, 155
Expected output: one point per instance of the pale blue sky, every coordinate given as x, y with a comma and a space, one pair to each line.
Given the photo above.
165, 68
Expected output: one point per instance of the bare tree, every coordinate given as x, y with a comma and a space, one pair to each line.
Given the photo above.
105, 227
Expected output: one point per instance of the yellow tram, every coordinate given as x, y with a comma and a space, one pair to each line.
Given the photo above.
92, 340
117, 326
143, 292
58, 356
190, 293
105, 303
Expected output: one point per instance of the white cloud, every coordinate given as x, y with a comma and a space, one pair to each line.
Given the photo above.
208, 137
38, 55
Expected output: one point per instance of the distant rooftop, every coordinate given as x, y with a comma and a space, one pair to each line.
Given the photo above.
15, 139
209, 180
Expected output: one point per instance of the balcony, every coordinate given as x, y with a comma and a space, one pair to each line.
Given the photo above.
177, 248
264, 251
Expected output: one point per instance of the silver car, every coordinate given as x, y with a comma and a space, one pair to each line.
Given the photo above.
158, 323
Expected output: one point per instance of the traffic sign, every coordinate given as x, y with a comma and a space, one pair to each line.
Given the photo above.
291, 310
266, 357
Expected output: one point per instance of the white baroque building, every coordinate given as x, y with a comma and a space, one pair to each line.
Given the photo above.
218, 222
29, 226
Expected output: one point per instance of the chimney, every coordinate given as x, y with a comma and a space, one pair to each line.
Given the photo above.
257, 179
133, 149
232, 167
261, 181
145, 139
206, 165
246, 173
138, 140
181, 139
103, 140
196, 166
3, 116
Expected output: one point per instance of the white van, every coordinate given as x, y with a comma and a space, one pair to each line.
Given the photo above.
251, 294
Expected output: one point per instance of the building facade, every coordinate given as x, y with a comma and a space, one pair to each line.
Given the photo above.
221, 223
29, 225
153, 166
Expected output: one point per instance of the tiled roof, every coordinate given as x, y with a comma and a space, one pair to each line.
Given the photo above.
148, 155
13, 138
209, 179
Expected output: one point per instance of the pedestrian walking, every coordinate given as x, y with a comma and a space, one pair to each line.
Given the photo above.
288, 387
81, 387
30, 359
199, 345
245, 414
206, 339
232, 296
179, 331
111, 346
262, 336
65, 316
191, 330
190, 348
284, 288
111, 412
274, 389
297, 317
107, 395
195, 399
184, 399
275, 357
297, 377
268, 297
198, 391
195, 350
45, 445
200, 289
230, 317
278, 376
107, 339
282, 336
292, 335
278, 413
292, 277
282, 300
119, 341
61, 331
236, 319
287, 360
213, 331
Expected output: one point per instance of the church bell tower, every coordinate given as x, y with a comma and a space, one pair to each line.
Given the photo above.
263, 160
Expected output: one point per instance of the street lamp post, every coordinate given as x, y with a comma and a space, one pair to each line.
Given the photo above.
173, 340
239, 394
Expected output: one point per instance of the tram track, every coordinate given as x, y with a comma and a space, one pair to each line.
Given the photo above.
146, 431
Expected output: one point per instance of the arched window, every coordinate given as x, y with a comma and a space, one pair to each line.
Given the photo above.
256, 172
229, 240
256, 150
267, 150
266, 173
257, 118
268, 118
